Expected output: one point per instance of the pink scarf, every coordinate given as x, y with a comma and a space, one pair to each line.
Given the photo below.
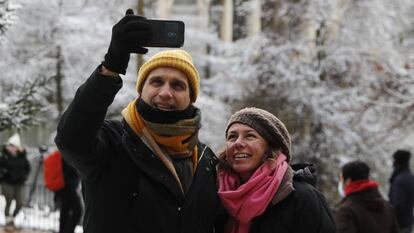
246, 201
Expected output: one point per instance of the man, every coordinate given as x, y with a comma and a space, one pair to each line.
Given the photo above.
148, 173
401, 193
363, 209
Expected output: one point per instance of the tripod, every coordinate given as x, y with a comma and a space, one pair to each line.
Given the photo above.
42, 151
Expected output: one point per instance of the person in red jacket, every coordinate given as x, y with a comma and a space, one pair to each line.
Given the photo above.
63, 180
363, 209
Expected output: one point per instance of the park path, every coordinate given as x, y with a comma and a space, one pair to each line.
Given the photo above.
2, 230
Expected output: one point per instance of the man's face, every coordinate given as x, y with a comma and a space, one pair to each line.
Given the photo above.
166, 89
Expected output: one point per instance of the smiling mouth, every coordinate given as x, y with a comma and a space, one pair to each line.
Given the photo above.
165, 107
241, 156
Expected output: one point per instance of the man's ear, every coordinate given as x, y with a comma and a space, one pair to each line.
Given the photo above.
347, 181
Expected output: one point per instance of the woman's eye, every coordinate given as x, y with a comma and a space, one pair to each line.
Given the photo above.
231, 138
250, 136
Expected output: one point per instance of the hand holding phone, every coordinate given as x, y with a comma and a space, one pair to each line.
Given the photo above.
132, 33
128, 36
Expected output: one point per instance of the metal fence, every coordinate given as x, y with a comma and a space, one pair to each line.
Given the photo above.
38, 214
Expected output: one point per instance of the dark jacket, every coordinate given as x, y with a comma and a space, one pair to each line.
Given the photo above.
126, 188
16, 168
365, 211
304, 211
71, 176
401, 196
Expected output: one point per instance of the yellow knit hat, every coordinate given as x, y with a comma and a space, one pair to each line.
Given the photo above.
175, 58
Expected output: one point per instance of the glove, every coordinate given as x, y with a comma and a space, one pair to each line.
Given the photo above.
128, 35
305, 172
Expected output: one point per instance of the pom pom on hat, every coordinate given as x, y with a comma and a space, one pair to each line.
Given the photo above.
267, 125
175, 58
15, 141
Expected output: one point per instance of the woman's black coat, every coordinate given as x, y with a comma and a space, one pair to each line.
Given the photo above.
15, 168
304, 211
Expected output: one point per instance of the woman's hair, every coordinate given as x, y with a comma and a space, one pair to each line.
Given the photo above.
222, 159
4, 149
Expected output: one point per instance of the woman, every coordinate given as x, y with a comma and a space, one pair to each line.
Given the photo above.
17, 168
256, 184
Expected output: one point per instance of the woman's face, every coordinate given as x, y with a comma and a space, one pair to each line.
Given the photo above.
245, 149
13, 150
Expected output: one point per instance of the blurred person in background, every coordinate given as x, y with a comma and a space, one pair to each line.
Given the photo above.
257, 185
16, 168
148, 172
401, 193
68, 199
363, 209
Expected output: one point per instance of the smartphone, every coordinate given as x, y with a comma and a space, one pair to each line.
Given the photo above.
165, 33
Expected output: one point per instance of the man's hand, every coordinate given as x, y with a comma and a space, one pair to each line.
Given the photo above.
128, 35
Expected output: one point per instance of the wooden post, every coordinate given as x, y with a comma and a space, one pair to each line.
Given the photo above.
226, 29
254, 18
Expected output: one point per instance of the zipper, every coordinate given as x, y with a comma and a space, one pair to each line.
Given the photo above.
202, 154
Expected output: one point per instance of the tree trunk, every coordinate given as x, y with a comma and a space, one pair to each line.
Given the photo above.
204, 12
59, 75
59, 78
254, 19
226, 28
164, 8
140, 11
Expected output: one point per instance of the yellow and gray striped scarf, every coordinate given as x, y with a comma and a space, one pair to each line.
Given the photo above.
177, 140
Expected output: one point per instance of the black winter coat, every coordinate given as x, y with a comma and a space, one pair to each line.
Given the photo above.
16, 168
304, 211
71, 176
366, 211
401, 196
126, 188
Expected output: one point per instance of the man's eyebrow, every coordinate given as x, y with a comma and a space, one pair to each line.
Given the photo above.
154, 77
180, 81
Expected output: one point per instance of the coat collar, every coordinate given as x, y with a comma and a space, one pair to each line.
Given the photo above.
152, 166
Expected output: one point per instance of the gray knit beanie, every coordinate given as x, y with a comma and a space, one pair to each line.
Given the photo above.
266, 124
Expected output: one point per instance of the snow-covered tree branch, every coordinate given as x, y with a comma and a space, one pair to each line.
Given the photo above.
7, 16
23, 105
